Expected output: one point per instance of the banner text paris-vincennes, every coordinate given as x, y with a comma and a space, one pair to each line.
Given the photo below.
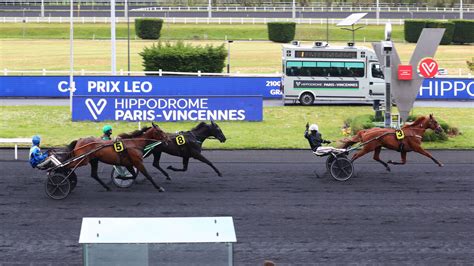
172, 109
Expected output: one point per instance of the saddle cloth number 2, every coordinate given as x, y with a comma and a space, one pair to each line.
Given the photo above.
180, 140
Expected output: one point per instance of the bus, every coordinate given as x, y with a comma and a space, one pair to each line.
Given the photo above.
321, 72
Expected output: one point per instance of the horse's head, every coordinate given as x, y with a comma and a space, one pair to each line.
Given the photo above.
433, 124
217, 132
158, 134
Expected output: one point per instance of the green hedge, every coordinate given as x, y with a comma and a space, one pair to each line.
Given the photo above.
413, 28
448, 33
463, 31
281, 31
184, 58
148, 28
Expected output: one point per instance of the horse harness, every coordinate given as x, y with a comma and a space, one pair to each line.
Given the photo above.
400, 135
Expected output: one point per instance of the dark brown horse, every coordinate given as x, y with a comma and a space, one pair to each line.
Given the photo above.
375, 138
188, 147
129, 153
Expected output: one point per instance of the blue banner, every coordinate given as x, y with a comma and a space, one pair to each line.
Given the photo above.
450, 89
168, 108
267, 87
54, 86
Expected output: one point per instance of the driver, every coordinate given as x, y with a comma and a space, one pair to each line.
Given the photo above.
314, 137
37, 158
107, 130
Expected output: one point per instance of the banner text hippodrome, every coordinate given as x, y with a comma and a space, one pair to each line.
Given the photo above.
161, 103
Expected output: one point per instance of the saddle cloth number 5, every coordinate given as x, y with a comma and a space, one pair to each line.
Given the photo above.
118, 146
180, 140
400, 135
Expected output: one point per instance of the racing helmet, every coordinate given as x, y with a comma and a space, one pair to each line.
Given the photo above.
36, 140
106, 129
313, 127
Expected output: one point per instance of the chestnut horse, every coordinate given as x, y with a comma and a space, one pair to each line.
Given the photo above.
129, 153
375, 138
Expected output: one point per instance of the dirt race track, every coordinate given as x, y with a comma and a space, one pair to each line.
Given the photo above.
417, 214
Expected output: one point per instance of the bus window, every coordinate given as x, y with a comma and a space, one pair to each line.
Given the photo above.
376, 71
355, 69
293, 68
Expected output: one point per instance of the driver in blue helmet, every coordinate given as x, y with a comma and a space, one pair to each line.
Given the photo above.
314, 137
107, 130
37, 158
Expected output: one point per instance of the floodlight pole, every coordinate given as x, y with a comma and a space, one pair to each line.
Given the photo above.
128, 36
377, 12
293, 9
387, 52
112, 38
42, 8
460, 9
209, 9
72, 86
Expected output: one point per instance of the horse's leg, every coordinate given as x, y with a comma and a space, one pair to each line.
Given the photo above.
185, 166
94, 167
420, 150
404, 158
139, 165
377, 157
156, 164
361, 153
132, 171
203, 159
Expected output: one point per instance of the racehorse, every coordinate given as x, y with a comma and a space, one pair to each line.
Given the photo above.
188, 145
375, 138
127, 151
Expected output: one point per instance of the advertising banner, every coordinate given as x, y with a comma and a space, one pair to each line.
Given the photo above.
267, 87
167, 108
449, 89
54, 86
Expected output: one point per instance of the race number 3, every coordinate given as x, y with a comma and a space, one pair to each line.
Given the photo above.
118, 146
400, 135
180, 140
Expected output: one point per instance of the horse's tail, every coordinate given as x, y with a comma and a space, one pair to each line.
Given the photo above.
347, 142
66, 153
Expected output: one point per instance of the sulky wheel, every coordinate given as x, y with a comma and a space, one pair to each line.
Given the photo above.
118, 175
330, 159
57, 186
341, 169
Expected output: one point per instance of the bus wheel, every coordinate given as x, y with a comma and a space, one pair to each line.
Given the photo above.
307, 98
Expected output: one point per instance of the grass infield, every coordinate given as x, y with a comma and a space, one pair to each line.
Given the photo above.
245, 57
282, 128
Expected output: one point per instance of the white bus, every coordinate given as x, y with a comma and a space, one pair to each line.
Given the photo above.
325, 73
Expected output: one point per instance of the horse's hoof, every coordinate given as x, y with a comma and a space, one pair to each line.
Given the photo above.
390, 161
219, 175
388, 169
168, 178
169, 167
441, 165
108, 189
160, 189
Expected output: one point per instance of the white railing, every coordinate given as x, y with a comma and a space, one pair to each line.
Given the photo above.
44, 72
304, 9
121, 72
195, 20
289, 8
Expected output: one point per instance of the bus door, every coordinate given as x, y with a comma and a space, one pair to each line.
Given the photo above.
376, 80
